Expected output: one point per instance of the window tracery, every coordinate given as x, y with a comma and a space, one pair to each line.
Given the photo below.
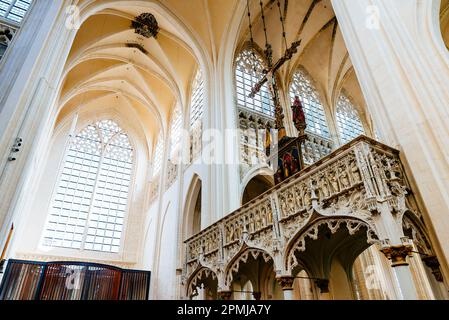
197, 99
255, 114
303, 86
91, 199
158, 155
14, 10
175, 131
348, 119
249, 69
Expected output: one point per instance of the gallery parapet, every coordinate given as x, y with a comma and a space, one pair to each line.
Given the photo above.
349, 186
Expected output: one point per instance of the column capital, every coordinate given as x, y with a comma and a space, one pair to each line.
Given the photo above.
398, 254
225, 295
286, 282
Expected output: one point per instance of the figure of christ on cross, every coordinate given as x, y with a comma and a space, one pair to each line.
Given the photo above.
270, 79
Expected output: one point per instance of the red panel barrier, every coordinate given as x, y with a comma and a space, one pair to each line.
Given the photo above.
29, 280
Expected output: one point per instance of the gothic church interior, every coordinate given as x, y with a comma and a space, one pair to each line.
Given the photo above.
136, 142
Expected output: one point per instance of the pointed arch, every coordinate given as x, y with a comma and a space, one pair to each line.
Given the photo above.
348, 119
303, 86
260, 175
192, 208
90, 201
248, 70
242, 257
202, 276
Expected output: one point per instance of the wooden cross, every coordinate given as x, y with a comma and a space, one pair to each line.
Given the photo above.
271, 79
272, 70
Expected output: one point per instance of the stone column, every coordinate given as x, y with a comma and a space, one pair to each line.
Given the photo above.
32, 65
323, 285
403, 68
398, 255
286, 283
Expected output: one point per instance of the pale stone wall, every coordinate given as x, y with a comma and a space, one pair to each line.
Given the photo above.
403, 68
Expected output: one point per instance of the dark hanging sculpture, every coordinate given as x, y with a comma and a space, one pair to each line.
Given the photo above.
284, 153
146, 25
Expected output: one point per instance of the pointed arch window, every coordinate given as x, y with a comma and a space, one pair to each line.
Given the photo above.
90, 202
158, 155
348, 119
14, 10
303, 86
197, 99
249, 69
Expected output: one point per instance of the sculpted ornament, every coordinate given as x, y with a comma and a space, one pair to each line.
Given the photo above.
146, 25
333, 225
344, 178
201, 275
243, 258
286, 282
398, 254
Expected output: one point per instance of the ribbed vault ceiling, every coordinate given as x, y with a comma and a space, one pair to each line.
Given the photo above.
103, 69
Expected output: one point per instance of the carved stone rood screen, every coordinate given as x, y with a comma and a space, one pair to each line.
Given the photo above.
359, 192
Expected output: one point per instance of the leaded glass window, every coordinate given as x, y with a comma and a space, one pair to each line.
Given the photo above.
91, 199
175, 131
248, 71
14, 10
348, 119
197, 99
303, 86
158, 155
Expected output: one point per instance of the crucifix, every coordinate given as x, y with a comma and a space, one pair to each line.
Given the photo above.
270, 79
288, 160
